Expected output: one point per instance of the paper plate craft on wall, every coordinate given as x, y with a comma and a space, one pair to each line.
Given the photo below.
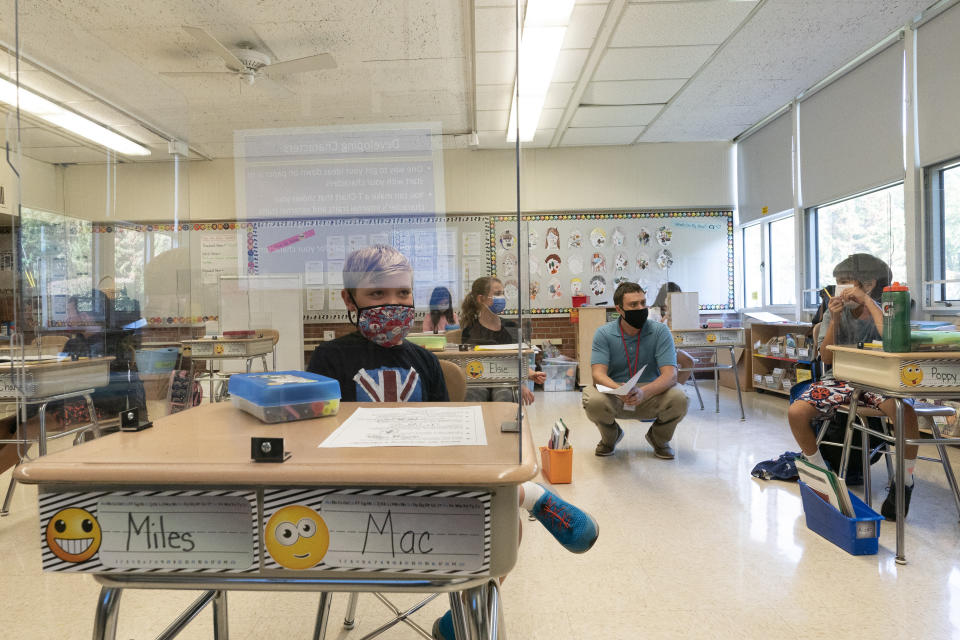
575, 239
664, 259
508, 241
553, 264
598, 263
532, 238
556, 291
643, 261
510, 291
643, 238
534, 289
508, 265
552, 241
664, 236
576, 287
620, 280
598, 285
534, 266
621, 262
575, 264
598, 237
618, 236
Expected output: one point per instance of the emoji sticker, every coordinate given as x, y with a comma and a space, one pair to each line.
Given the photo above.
218, 349
296, 537
73, 534
911, 375
474, 369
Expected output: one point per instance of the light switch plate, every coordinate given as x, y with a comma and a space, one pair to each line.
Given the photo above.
328, 335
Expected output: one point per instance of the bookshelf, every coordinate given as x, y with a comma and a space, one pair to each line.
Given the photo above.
777, 366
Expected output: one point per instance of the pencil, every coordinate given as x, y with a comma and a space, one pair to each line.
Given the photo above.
827, 292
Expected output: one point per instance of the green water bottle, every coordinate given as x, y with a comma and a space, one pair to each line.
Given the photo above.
895, 303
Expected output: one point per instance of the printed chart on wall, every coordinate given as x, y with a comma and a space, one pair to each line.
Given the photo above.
590, 254
444, 251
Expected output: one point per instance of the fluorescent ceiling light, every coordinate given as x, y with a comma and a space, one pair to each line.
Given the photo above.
544, 26
65, 119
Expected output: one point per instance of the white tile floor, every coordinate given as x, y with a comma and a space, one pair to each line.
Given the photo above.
690, 548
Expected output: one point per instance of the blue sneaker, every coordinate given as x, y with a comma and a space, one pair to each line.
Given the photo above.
443, 627
575, 529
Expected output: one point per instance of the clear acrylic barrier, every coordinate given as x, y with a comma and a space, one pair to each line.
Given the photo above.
246, 192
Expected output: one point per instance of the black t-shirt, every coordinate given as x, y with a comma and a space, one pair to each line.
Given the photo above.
368, 372
479, 334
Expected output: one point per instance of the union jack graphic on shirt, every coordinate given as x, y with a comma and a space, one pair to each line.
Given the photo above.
388, 385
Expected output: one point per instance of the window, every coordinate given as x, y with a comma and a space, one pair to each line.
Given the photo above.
944, 233
782, 261
869, 223
752, 267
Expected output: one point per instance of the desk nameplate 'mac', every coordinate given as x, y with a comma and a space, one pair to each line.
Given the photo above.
427, 531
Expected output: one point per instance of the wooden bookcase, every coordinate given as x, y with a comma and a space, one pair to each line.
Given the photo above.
794, 365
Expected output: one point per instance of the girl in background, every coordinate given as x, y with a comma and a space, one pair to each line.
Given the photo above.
442, 317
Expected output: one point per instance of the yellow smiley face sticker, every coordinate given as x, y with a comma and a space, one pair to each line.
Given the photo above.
678, 340
474, 369
218, 349
73, 535
911, 375
296, 537
711, 337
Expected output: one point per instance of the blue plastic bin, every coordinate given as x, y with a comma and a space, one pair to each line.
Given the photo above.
282, 396
857, 536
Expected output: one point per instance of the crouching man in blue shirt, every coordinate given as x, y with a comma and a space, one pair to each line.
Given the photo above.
620, 349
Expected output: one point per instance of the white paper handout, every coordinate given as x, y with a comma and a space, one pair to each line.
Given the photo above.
410, 427
625, 388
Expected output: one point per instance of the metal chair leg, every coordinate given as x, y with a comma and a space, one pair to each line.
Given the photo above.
221, 628
6, 501
736, 379
865, 465
108, 606
350, 618
696, 388
947, 468
323, 615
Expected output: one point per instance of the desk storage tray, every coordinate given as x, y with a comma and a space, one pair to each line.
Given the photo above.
46, 380
284, 396
910, 372
230, 348
708, 338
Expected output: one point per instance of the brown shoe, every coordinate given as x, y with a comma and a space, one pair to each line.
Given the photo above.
606, 449
660, 450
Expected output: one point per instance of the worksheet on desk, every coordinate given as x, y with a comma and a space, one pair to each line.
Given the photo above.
410, 427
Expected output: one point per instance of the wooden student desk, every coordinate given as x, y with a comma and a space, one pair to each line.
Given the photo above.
200, 460
898, 376
222, 348
487, 368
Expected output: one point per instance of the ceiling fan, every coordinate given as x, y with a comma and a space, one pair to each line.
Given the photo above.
250, 65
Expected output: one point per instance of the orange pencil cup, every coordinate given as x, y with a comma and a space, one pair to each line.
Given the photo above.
557, 464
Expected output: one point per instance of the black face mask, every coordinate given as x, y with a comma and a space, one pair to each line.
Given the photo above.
636, 317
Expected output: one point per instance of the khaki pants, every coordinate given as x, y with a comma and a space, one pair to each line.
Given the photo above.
666, 410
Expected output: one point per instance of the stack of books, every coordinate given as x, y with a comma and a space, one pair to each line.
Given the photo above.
827, 485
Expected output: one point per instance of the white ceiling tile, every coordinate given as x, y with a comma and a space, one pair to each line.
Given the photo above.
614, 116
630, 92
541, 138
586, 136
549, 118
584, 23
492, 120
494, 140
558, 95
496, 68
671, 24
652, 63
495, 29
569, 65
494, 97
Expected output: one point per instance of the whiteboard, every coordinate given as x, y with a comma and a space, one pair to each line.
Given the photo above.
447, 251
592, 253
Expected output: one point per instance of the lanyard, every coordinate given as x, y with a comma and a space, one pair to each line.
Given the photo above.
626, 352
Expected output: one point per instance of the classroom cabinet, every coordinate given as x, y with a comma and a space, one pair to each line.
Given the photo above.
781, 355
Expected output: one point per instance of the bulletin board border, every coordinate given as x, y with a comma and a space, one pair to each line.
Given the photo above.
618, 215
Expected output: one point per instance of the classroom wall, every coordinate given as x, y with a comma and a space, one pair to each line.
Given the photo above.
640, 176
42, 185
